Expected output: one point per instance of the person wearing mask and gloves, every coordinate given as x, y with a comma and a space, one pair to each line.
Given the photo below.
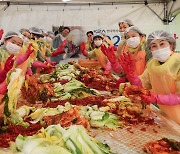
36, 33
123, 25
3, 85
39, 58
96, 54
6, 63
10, 54
26, 35
162, 74
12, 45
136, 45
44, 51
49, 37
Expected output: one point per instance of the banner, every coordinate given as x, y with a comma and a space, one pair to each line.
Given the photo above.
104, 17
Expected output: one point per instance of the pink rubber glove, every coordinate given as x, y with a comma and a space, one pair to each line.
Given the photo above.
7, 67
83, 49
1, 33
60, 49
29, 72
3, 88
109, 52
108, 68
128, 66
22, 58
39, 64
121, 80
170, 99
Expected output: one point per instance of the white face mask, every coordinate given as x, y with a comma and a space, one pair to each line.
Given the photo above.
133, 42
98, 43
41, 38
122, 34
21, 36
49, 40
26, 40
12, 48
161, 54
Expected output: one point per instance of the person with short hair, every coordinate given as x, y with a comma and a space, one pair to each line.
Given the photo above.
57, 41
89, 35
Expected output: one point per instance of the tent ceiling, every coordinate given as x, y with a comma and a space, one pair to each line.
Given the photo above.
86, 1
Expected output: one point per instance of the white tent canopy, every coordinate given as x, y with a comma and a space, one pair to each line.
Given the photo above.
89, 1
148, 15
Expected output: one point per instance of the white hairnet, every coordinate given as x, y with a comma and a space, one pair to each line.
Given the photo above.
129, 22
161, 35
49, 32
133, 28
23, 30
11, 34
97, 35
43, 31
35, 30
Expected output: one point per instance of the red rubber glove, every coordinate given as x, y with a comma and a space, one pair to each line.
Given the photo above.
121, 80
71, 47
109, 52
114, 48
52, 63
1, 33
7, 67
50, 66
83, 49
22, 58
9, 63
128, 65
59, 50
170, 99
3, 88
